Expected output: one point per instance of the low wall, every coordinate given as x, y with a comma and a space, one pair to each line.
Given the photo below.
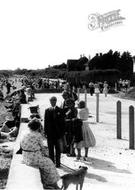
21, 176
47, 90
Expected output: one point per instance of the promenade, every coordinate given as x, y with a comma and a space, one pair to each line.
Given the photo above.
111, 165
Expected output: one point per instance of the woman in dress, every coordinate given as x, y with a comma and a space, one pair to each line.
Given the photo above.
33, 152
88, 136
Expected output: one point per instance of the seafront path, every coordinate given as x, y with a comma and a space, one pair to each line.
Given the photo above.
111, 164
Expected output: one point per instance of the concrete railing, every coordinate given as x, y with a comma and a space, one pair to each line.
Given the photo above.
21, 176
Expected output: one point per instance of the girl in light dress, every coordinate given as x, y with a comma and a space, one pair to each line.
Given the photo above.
88, 136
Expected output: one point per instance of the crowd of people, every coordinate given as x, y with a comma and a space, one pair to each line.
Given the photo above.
99, 87
43, 83
66, 129
11, 99
123, 85
10, 113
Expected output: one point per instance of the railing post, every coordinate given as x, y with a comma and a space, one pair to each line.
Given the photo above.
85, 96
131, 127
116, 86
118, 120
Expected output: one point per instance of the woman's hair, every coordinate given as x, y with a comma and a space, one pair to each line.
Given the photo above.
81, 104
34, 124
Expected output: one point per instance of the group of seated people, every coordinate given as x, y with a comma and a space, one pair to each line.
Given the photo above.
11, 104
12, 108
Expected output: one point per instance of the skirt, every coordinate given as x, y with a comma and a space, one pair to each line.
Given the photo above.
88, 137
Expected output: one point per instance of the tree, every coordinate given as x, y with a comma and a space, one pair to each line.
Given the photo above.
126, 65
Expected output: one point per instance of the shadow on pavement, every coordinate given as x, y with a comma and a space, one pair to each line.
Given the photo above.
97, 177
104, 165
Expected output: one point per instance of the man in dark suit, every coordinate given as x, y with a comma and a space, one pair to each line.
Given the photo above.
54, 129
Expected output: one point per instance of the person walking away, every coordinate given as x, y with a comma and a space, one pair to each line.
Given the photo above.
105, 89
54, 130
91, 87
96, 88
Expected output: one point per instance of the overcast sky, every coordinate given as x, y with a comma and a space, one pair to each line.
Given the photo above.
38, 33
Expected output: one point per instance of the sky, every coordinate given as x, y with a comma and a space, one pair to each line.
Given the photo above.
38, 33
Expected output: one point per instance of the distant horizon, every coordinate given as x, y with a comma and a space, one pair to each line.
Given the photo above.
71, 59
35, 34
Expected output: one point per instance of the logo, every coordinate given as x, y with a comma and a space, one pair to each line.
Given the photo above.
105, 21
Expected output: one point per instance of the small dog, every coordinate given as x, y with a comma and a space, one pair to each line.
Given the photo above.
76, 177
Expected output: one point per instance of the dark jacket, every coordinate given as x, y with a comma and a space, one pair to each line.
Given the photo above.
54, 126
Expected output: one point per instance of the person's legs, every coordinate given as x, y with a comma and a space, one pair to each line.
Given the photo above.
51, 149
58, 153
86, 153
72, 149
78, 153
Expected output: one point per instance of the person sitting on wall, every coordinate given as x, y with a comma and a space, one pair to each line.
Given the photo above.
22, 97
34, 154
10, 127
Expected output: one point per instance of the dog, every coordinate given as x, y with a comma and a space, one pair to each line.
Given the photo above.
76, 177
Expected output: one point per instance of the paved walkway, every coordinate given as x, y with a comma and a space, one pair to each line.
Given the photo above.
111, 165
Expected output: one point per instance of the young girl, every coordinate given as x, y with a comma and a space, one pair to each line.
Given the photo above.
88, 136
